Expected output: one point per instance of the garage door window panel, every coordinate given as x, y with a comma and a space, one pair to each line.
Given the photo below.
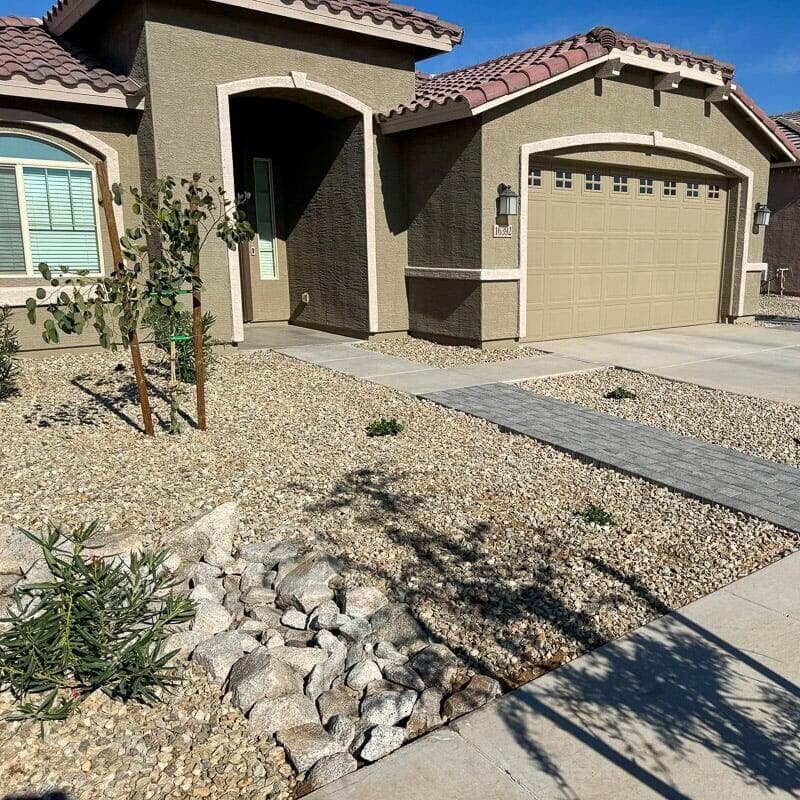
563, 179
670, 188
535, 178
593, 182
692, 190
619, 184
646, 186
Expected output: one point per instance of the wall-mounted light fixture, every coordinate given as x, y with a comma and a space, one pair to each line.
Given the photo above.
507, 201
762, 216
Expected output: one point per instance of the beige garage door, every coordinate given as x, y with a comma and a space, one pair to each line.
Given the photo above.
619, 250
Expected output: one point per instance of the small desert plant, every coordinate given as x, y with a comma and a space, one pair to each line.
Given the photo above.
621, 393
9, 349
596, 515
96, 624
164, 324
384, 427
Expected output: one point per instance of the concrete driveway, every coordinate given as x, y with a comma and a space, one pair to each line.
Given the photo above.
761, 362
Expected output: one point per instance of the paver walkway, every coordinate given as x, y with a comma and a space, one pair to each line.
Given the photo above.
702, 703
716, 474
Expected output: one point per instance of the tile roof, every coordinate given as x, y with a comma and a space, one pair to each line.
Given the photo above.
378, 11
29, 51
501, 76
789, 124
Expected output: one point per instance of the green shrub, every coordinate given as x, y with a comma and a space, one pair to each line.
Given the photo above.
596, 514
9, 349
164, 322
621, 393
95, 624
384, 427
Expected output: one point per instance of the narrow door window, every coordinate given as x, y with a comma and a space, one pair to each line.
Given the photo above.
265, 219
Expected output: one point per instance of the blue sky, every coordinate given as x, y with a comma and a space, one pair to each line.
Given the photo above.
761, 39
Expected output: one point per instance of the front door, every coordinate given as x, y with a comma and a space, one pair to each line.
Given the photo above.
265, 295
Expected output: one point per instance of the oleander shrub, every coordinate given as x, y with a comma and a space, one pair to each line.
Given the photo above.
95, 624
596, 515
384, 427
9, 352
621, 393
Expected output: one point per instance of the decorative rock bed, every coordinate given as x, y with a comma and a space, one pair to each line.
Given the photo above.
340, 677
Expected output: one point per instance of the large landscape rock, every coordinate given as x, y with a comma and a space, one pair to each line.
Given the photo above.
396, 624
183, 643
336, 702
427, 714
403, 675
363, 601
257, 675
302, 659
388, 708
381, 740
329, 769
17, 551
479, 691
211, 618
216, 528
308, 584
269, 716
343, 729
219, 653
305, 745
270, 553
437, 666
362, 674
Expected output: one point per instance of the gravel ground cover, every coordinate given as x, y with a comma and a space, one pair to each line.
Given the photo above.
474, 528
191, 746
441, 355
762, 428
775, 305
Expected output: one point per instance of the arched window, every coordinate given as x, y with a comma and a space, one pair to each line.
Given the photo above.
48, 209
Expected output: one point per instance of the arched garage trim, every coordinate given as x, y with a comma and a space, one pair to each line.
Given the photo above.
653, 140
297, 80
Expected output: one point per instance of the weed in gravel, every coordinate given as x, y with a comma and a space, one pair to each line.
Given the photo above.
621, 393
384, 427
596, 514
9, 351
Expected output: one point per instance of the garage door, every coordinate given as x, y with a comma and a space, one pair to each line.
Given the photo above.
620, 250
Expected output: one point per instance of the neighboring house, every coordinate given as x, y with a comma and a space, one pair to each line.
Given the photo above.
782, 244
374, 188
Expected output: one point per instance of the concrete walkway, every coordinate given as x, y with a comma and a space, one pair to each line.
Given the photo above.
703, 703
754, 486
414, 378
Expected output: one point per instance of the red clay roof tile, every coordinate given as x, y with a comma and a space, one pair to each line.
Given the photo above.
28, 50
476, 85
789, 124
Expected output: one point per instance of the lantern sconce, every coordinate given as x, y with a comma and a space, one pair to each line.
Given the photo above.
507, 201
762, 215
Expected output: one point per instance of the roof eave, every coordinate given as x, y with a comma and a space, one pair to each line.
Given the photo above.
82, 94
59, 20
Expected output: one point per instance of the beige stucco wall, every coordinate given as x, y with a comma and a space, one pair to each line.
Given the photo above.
193, 48
116, 129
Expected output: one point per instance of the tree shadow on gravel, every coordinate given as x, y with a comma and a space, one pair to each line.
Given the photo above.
115, 394
51, 795
496, 595
665, 694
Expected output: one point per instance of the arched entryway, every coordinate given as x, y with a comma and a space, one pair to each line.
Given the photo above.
303, 152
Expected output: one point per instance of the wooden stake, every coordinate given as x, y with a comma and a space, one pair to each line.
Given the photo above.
133, 338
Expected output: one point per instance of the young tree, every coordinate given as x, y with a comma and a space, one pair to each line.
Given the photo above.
155, 263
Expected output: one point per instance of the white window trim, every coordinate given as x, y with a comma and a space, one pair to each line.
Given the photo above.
566, 178
593, 182
647, 186
619, 184
275, 277
31, 269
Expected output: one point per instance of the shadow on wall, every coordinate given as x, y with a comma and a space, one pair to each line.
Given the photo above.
613, 705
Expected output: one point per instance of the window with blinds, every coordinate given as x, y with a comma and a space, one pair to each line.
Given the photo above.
61, 218
48, 211
12, 249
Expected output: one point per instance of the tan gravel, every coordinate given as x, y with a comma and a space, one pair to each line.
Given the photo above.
775, 305
194, 745
474, 527
762, 428
444, 356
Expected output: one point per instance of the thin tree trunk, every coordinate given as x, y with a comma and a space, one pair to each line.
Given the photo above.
133, 338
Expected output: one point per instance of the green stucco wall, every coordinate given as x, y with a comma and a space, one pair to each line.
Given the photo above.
191, 49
